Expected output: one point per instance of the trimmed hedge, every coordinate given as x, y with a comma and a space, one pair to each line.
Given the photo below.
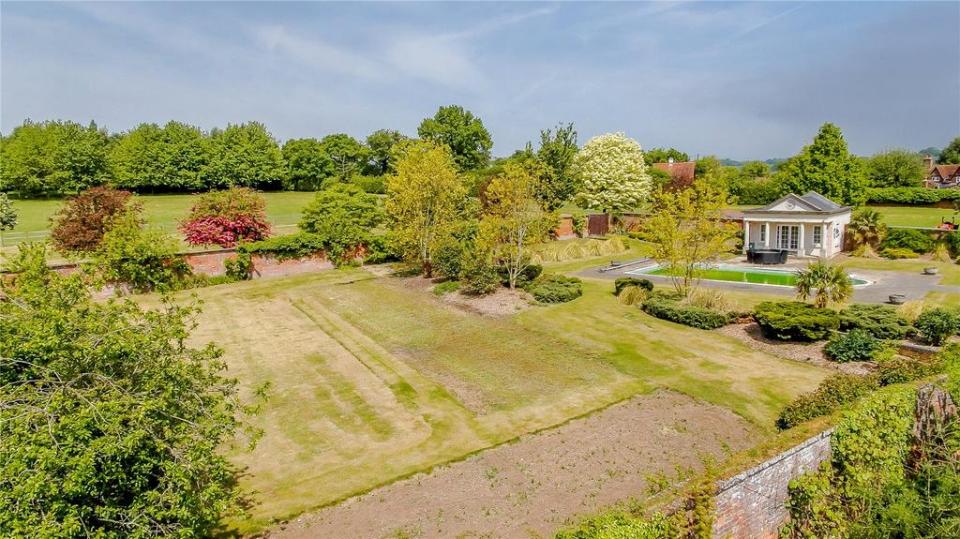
856, 345
623, 282
552, 288
291, 246
881, 321
910, 195
917, 241
795, 321
670, 308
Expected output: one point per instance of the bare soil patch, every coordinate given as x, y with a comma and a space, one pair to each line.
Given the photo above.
540, 482
502, 302
805, 352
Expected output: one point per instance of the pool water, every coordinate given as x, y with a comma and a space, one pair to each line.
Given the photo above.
742, 275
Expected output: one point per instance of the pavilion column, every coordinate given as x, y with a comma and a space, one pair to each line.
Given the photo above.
746, 235
800, 248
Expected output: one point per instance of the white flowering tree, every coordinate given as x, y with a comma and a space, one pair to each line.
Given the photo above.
612, 173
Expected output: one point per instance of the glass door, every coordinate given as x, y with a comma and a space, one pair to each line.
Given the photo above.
788, 237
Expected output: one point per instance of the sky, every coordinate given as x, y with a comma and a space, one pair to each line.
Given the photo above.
739, 80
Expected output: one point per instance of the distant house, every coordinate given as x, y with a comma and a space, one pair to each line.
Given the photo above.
806, 226
941, 176
681, 172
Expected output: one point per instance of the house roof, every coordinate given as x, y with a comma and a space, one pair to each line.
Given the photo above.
811, 202
946, 171
681, 172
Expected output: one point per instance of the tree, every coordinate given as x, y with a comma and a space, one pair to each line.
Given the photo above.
825, 283
307, 164
143, 259
346, 153
867, 229
662, 155
686, 231
755, 170
152, 158
462, 132
53, 158
613, 174
380, 144
896, 168
342, 206
513, 220
825, 166
8, 215
80, 224
110, 424
558, 149
244, 155
423, 199
226, 218
950, 154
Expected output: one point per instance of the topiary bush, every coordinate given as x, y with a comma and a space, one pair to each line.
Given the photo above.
623, 282
855, 345
881, 321
795, 321
907, 238
671, 308
935, 325
553, 288
831, 394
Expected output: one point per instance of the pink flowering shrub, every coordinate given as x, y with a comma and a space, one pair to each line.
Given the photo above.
226, 218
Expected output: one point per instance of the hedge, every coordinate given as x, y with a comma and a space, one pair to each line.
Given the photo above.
910, 195
670, 308
795, 321
917, 241
555, 288
831, 394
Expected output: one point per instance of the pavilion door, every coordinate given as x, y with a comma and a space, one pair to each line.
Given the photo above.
788, 237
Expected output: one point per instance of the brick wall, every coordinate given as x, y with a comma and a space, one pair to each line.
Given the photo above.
752, 504
564, 230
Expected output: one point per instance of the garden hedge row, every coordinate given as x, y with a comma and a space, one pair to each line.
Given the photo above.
670, 308
910, 195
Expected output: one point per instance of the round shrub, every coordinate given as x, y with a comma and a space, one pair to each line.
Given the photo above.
855, 345
552, 288
907, 238
226, 218
881, 321
672, 309
624, 282
80, 224
795, 321
935, 325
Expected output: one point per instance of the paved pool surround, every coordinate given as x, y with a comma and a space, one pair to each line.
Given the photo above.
883, 283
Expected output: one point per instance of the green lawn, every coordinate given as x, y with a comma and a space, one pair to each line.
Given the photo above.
162, 211
375, 378
915, 216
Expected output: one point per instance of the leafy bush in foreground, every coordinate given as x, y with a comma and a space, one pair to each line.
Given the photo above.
111, 425
795, 321
855, 345
672, 309
144, 259
552, 288
881, 321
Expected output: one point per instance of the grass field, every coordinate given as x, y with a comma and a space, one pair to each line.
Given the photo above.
162, 211
915, 216
373, 379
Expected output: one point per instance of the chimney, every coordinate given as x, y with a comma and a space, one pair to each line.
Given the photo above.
928, 162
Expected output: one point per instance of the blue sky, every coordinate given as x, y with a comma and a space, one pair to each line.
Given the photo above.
740, 80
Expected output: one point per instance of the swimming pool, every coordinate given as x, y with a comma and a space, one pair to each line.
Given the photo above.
740, 274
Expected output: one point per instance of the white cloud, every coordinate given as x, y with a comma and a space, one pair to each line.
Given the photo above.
317, 53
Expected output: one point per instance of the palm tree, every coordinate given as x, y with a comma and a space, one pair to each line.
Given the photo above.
825, 283
867, 228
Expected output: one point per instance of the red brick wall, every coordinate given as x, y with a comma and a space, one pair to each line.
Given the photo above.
752, 504
564, 230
